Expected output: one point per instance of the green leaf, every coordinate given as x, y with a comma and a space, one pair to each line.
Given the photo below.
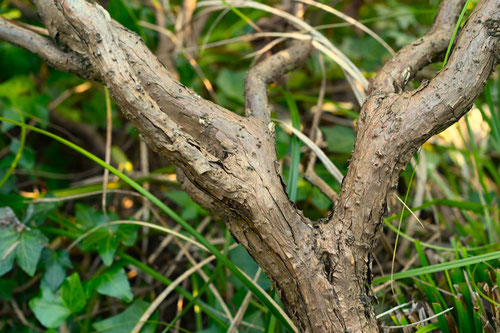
13, 88
14, 202
127, 234
73, 294
27, 159
11, 113
37, 213
7, 263
114, 283
125, 321
29, 249
49, 308
55, 264
96, 239
8, 245
340, 138
87, 217
246, 263
107, 249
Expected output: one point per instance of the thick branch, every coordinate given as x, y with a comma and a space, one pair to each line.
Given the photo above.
46, 49
397, 72
268, 70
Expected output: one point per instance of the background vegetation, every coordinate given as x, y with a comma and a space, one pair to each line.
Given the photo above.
82, 251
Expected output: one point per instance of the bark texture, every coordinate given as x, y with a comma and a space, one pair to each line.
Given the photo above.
228, 162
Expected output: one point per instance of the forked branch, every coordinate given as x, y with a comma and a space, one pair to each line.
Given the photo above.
323, 270
46, 49
398, 71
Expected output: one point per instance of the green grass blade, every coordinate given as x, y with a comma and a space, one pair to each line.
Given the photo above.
428, 328
441, 267
293, 176
455, 31
241, 15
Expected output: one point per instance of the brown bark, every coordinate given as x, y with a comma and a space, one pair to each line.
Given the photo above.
321, 269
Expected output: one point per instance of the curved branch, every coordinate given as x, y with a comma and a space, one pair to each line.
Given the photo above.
46, 49
268, 70
397, 72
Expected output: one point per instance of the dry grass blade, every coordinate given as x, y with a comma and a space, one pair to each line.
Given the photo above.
264, 49
107, 158
140, 223
211, 28
391, 310
418, 322
334, 171
184, 249
84, 195
243, 307
251, 37
158, 300
411, 211
338, 56
352, 21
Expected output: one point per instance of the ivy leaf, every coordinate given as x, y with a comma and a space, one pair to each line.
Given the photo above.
107, 249
49, 308
27, 160
37, 213
55, 264
73, 294
112, 283
127, 234
115, 283
125, 321
87, 217
29, 249
8, 244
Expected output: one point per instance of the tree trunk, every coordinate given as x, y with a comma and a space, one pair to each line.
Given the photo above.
322, 269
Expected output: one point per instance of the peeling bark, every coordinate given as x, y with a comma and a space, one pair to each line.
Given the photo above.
322, 270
